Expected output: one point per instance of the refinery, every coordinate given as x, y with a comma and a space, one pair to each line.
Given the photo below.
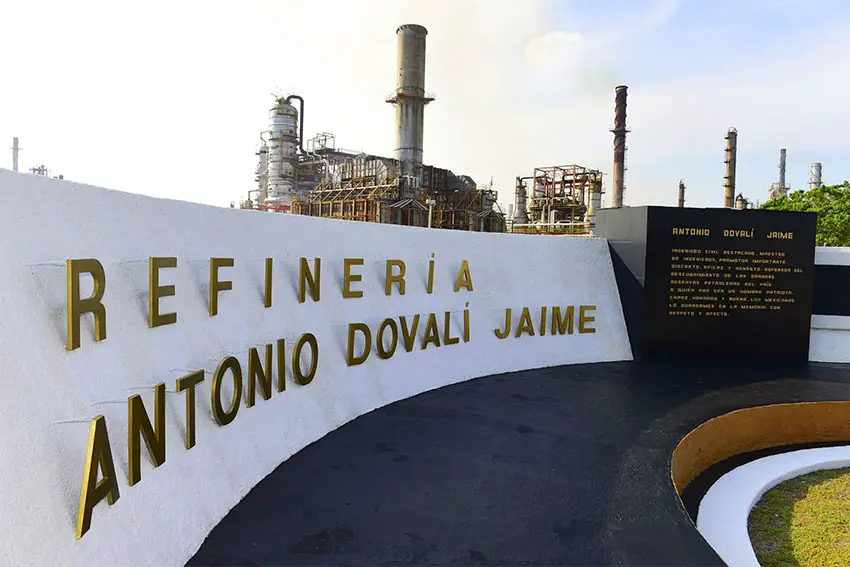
314, 177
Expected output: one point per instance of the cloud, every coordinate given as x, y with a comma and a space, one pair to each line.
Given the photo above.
553, 50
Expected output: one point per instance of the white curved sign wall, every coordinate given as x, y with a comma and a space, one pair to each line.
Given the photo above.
52, 395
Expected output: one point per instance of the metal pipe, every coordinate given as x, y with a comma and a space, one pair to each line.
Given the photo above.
731, 163
300, 120
681, 193
619, 132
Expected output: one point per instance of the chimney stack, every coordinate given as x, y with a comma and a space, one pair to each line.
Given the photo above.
681, 193
15, 150
410, 98
731, 163
782, 168
619, 132
815, 176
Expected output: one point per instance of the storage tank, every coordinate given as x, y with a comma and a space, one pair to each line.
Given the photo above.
282, 157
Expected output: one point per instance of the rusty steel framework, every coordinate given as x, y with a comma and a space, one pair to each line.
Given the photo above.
359, 199
362, 199
472, 209
563, 194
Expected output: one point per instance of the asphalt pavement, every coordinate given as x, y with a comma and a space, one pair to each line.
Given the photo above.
559, 466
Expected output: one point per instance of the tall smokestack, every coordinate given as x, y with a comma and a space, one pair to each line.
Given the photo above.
681, 193
815, 176
731, 163
782, 167
619, 132
409, 98
15, 150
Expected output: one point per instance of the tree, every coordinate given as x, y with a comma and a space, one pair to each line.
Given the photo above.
830, 202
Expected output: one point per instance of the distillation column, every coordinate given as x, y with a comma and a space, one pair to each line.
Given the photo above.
282, 156
410, 99
619, 132
781, 180
681, 193
731, 163
520, 203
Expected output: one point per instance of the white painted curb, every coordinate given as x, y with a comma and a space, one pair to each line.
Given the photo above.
723, 512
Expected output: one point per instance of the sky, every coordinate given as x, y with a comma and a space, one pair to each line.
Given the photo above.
168, 98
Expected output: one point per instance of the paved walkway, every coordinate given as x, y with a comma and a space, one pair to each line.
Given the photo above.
561, 466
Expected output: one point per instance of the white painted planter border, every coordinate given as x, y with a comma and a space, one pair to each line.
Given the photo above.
725, 508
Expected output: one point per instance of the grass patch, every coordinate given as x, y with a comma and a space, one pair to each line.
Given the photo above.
804, 522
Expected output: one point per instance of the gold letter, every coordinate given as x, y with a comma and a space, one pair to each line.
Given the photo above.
367, 334
503, 334
565, 325
525, 325
215, 285
221, 417
584, 319
156, 291
542, 320
98, 457
188, 383
78, 306
409, 334
382, 352
313, 279
399, 278
267, 296
281, 365
257, 373
432, 333
299, 377
466, 323
429, 287
463, 277
348, 277
447, 330
140, 425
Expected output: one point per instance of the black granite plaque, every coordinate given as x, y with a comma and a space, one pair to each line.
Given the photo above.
714, 283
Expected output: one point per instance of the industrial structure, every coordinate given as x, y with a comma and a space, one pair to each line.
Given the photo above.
41, 170
731, 165
15, 151
314, 177
815, 176
619, 131
780, 188
563, 200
